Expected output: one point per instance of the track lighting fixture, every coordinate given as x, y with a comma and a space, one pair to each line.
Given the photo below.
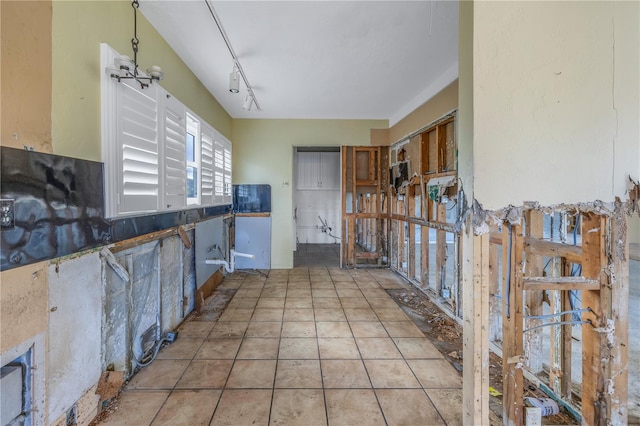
248, 102
124, 68
234, 80
238, 72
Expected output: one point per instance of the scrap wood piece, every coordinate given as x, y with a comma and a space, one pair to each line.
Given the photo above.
110, 384
184, 237
113, 262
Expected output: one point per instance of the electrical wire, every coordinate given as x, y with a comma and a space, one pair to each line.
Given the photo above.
556, 323
573, 311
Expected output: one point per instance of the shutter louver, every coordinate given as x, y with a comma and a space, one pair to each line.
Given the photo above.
138, 145
174, 154
228, 189
207, 166
218, 166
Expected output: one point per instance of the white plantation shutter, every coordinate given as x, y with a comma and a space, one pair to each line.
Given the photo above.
137, 148
206, 165
175, 175
227, 173
218, 167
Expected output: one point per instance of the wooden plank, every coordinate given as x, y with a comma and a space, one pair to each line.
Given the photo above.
552, 249
618, 361
555, 332
566, 381
184, 237
560, 283
424, 256
512, 322
411, 273
367, 255
441, 249
533, 299
594, 409
265, 214
343, 232
495, 311
475, 337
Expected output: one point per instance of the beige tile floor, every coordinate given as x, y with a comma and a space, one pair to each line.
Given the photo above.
307, 346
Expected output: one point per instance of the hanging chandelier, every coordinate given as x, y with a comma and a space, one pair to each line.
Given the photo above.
124, 68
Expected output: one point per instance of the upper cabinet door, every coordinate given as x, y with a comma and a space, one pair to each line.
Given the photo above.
329, 170
308, 176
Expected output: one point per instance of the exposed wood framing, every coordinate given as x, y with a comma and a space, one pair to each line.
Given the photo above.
512, 321
533, 298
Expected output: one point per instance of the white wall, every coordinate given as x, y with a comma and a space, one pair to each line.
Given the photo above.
75, 334
556, 89
310, 205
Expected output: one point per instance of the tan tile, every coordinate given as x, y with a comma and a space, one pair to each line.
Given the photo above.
346, 285
299, 292
136, 408
239, 407
394, 404
298, 407
338, 348
355, 302
391, 314
161, 374
228, 329
209, 374
377, 348
183, 348
242, 314
367, 285
375, 293
267, 314
259, 348
195, 329
368, 329
448, 402
348, 293
353, 407
383, 303
263, 329
252, 374
344, 373
299, 329
188, 407
326, 303
358, 314
298, 348
390, 374
227, 315
300, 285
298, 374
336, 314
249, 292
402, 329
299, 303
323, 292
321, 283
435, 373
298, 314
247, 302
417, 348
274, 292
270, 302
333, 329
219, 349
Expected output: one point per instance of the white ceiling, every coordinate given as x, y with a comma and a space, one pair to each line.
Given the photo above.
317, 59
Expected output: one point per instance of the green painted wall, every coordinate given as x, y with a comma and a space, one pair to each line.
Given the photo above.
78, 29
263, 154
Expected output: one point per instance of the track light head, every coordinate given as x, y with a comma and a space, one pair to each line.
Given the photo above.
234, 81
248, 102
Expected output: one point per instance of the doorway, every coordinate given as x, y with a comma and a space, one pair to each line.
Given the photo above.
316, 204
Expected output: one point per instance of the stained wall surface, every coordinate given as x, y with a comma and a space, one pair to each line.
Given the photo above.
556, 109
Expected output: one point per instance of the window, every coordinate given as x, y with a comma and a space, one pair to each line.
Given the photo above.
158, 156
193, 160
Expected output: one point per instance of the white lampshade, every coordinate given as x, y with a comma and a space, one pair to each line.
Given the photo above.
124, 62
155, 72
248, 102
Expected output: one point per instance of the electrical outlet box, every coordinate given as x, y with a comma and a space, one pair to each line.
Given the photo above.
7, 214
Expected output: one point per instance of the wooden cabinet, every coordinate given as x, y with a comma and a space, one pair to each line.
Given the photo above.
318, 171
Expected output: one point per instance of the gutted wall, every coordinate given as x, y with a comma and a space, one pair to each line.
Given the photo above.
445, 101
78, 30
556, 109
263, 153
